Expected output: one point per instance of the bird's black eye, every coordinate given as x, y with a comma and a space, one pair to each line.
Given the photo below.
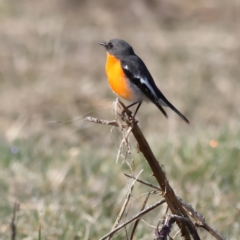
110, 45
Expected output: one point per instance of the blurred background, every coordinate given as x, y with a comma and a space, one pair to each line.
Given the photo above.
64, 175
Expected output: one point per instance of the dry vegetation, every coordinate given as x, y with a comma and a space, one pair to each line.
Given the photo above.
64, 175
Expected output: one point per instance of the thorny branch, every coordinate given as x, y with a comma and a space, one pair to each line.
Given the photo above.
200, 220
176, 206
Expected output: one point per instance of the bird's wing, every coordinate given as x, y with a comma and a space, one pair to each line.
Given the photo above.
138, 74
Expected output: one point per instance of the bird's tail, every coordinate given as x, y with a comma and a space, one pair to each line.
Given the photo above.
178, 113
168, 104
161, 109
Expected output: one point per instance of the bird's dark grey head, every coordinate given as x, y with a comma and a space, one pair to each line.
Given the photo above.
118, 47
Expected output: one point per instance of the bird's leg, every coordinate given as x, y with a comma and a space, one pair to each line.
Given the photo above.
126, 110
123, 111
139, 104
132, 104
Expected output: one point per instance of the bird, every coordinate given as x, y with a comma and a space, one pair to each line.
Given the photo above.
130, 79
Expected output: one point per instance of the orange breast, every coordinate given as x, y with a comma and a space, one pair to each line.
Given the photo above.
117, 79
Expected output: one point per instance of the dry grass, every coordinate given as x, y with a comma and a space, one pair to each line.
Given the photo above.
64, 175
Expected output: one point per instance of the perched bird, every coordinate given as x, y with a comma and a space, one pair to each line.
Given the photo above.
130, 79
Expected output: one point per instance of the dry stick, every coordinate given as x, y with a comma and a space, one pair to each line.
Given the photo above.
124, 140
119, 217
105, 122
13, 223
211, 231
148, 209
136, 223
171, 199
200, 220
126, 233
143, 182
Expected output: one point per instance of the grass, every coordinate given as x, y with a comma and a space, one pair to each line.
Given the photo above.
75, 193
64, 175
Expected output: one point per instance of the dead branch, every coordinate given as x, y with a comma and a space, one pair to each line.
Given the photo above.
13, 228
200, 220
187, 228
171, 199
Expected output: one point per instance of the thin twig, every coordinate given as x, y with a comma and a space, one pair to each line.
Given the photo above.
142, 213
136, 223
105, 122
40, 232
13, 228
124, 140
119, 217
143, 182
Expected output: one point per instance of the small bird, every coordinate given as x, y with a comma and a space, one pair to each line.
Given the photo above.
130, 79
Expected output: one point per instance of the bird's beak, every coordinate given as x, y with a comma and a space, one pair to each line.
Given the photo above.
103, 44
